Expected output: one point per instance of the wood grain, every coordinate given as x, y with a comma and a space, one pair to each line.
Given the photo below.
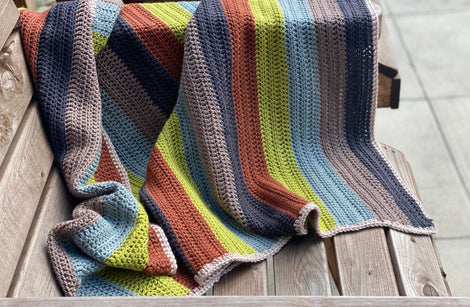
34, 276
301, 268
8, 15
417, 267
22, 178
246, 279
16, 90
364, 264
385, 89
232, 301
389, 78
387, 62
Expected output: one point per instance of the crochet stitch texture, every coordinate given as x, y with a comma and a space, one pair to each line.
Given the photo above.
200, 135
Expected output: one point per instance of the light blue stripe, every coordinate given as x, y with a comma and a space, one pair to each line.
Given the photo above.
189, 6
133, 149
199, 176
304, 118
103, 237
85, 269
82, 263
105, 17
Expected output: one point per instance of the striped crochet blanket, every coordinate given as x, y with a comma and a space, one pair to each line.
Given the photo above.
202, 135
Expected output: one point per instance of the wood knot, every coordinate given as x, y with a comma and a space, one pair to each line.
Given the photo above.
7, 81
429, 290
10, 76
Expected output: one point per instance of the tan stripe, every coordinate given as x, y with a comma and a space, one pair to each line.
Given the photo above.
83, 111
84, 215
120, 85
205, 114
331, 50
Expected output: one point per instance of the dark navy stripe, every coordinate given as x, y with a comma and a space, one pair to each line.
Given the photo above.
53, 68
359, 88
160, 219
215, 43
157, 82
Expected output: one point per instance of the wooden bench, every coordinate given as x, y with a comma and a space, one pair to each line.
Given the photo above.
343, 270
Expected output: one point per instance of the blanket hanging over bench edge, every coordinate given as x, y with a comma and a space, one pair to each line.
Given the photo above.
201, 135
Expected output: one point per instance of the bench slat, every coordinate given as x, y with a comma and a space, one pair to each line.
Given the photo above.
16, 90
417, 268
416, 265
364, 264
34, 276
8, 15
22, 179
301, 268
243, 301
389, 78
246, 279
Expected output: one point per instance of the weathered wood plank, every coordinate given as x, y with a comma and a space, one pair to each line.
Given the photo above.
34, 277
417, 268
443, 273
16, 90
8, 15
232, 301
387, 62
330, 255
246, 279
389, 91
301, 268
364, 264
22, 178
385, 88
389, 78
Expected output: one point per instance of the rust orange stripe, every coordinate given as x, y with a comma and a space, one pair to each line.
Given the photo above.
245, 96
157, 37
34, 22
106, 170
199, 245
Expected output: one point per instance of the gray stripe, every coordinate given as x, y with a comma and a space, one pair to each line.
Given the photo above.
205, 115
84, 215
120, 85
331, 49
83, 111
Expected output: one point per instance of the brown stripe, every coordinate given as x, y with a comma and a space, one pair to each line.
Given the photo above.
331, 50
245, 98
112, 74
197, 241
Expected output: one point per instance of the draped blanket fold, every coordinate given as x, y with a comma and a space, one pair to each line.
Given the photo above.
200, 135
